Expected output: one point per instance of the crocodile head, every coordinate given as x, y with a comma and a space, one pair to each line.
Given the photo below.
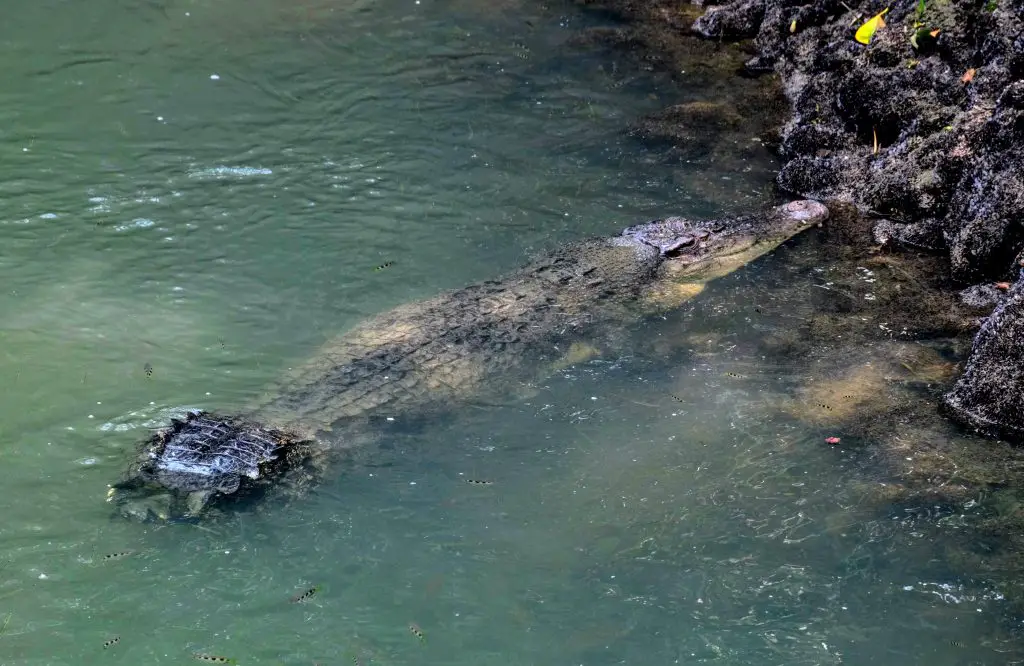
700, 251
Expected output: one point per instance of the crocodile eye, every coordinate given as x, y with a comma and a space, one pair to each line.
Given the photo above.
668, 249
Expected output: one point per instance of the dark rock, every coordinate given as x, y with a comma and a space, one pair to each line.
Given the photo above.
925, 234
812, 139
737, 20
985, 227
907, 132
987, 396
984, 297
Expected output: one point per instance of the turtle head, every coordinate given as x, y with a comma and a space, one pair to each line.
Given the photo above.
699, 251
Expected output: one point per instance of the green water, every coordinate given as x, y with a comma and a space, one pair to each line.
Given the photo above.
205, 189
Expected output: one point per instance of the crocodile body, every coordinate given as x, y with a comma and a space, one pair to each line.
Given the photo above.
461, 345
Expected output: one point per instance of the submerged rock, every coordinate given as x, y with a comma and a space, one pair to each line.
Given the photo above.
987, 396
925, 126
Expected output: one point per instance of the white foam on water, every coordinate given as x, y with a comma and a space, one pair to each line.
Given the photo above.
229, 172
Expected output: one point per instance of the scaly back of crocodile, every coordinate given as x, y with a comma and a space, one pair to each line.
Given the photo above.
448, 348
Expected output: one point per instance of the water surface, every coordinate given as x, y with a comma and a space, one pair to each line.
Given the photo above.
206, 190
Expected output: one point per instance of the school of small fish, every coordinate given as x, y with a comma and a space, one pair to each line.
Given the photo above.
305, 595
116, 556
212, 658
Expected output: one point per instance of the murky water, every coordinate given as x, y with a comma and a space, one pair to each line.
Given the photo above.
206, 190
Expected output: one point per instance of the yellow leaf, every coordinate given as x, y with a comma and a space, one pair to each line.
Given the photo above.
867, 31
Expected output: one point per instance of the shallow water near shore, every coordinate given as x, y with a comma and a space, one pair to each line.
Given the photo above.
197, 194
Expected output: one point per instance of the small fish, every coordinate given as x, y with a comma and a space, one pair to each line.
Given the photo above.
305, 595
7, 621
386, 264
968, 75
479, 482
825, 406
676, 398
792, 27
956, 644
416, 631
148, 369
113, 641
212, 658
733, 375
117, 556
832, 440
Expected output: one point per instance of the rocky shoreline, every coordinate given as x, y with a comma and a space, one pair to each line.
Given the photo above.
921, 130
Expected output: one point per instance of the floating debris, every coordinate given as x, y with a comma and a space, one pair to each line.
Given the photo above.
386, 264
113, 641
305, 595
417, 632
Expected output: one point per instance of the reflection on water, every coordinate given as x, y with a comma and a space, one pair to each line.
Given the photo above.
196, 194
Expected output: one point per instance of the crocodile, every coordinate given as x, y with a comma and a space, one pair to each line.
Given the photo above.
429, 355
